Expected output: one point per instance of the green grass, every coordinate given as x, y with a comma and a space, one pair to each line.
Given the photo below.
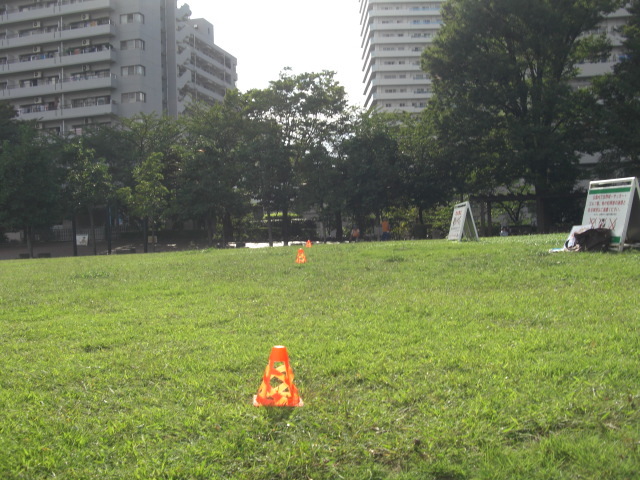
415, 360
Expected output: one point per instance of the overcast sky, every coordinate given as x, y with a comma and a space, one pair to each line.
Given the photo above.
308, 36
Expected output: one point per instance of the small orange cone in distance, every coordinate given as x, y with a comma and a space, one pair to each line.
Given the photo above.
277, 388
301, 258
308, 245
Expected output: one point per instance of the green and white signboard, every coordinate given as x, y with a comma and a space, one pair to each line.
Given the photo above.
615, 204
462, 224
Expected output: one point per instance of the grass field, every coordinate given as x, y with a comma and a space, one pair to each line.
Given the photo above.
415, 360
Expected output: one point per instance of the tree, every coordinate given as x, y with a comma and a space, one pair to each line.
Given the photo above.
619, 104
30, 179
310, 110
322, 186
9, 127
371, 171
501, 71
269, 170
143, 135
428, 174
148, 198
150, 133
213, 175
88, 184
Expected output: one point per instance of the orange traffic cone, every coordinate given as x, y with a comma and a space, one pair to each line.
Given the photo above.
308, 245
301, 258
277, 388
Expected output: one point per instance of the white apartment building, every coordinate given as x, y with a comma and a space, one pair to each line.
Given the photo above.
68, 64
611, 26
394, 33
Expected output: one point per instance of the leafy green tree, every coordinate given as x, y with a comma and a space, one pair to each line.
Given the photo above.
88, 183
269, 170
619, 104
428, 177
151, 133
501, 72
322, 186
127, 144
9, 130
213, 176
149, 196
371, 171
112, 143
30, 179
143, 135
310, 110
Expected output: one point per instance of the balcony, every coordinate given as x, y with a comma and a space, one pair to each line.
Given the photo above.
406, 53
72, 56
68, 85
37, 11
48, 112
39, 36
406, 26
404, 13
408, 81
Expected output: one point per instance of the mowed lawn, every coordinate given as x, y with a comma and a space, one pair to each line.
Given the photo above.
415, 360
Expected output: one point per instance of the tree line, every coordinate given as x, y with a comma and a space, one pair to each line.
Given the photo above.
504, 116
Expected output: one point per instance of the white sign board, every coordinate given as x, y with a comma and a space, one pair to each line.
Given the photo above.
615, 204
82, 240
462, 223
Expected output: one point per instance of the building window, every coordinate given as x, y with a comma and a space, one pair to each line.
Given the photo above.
133, 70
133, 97
132, 18
135, 44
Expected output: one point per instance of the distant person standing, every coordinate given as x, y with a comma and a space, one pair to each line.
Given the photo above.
386, 230
355, 234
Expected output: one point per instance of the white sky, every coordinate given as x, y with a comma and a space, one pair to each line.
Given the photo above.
306, 35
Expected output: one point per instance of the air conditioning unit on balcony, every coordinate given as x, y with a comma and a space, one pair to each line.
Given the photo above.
86, 42
36, 24
37, 74
85, 16
86, 68
37, 49
37, 99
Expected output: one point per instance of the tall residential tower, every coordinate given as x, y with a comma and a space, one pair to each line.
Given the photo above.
68, 64
394, 34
